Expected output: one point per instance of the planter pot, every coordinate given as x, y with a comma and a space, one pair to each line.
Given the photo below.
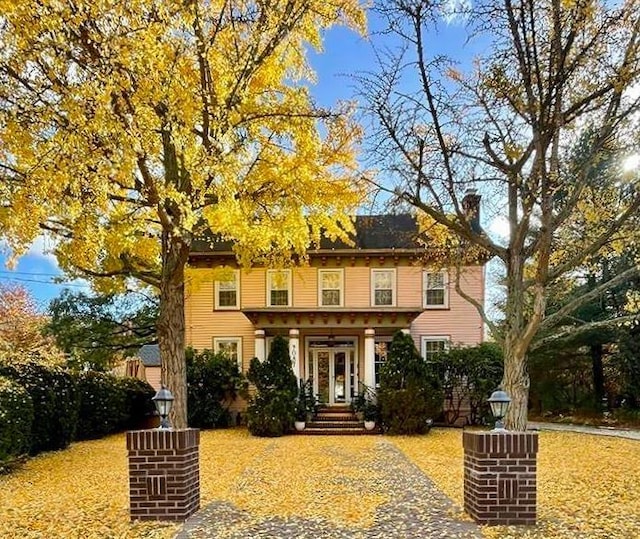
369, 425
299, 425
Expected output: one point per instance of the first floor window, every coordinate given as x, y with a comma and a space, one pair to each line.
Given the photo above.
230, 347
380, 357
432, 345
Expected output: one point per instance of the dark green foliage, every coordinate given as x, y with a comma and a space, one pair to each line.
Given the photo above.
305, 401
213, 382
272, 410
16, 418
409, 393
468, 376
55, 404
92, 329
110, 404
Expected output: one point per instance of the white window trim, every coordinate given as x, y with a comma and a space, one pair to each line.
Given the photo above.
424, 339
393, 286
289, 287
426, 305
237, 340
217, 295
320, 289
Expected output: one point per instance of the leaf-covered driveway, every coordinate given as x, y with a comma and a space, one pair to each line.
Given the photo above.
588, 486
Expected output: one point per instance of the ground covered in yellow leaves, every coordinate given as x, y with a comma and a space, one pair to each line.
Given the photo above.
588, 486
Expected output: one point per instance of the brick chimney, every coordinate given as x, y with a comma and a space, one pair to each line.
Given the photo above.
471, 209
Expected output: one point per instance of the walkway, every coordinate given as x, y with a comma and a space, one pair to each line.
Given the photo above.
412, 506
586, 429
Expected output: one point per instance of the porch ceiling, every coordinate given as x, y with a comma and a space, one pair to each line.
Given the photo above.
389, 317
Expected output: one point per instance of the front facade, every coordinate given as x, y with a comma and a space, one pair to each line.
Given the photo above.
340, 311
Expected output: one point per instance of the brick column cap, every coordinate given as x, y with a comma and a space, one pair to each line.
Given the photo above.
138, 440
500, 443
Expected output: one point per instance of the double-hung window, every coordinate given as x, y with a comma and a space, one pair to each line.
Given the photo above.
383, 287
432, 345
278, 288
435, 289
228, 292
230, 347
331, 289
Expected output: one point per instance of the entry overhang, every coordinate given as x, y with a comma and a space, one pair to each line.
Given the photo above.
389, 317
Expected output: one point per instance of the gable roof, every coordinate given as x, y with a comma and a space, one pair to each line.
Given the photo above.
149, 354
372, 232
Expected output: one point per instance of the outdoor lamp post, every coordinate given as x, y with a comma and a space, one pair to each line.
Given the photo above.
499, 402
163, 400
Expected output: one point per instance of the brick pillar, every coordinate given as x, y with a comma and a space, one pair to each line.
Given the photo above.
500, 477
164, 474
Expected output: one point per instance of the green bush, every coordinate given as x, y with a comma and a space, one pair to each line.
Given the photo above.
468, 376
272, 410
16, 418
110, 403
55, 404
213, 382
409, 393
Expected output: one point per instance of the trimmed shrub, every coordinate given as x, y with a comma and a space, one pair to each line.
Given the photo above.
16, 418
409, 394
272, 410
55, 404
110, 404
213, 382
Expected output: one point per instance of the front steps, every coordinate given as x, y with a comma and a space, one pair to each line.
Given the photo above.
336, 420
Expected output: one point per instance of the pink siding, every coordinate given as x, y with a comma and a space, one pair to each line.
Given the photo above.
305, 287
357, 290
461, 322
152, 375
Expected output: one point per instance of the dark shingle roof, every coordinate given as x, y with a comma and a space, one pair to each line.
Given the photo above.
149, 354
372, 232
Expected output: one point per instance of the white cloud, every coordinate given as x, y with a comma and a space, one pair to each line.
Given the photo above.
499, 227
454, 11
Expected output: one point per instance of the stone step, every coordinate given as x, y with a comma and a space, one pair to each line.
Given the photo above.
335, 410
335, 424
335, 417
356, 431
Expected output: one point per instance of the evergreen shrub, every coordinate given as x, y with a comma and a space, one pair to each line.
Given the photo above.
16, 418
213, 382
55, 403
272, 410
409, 394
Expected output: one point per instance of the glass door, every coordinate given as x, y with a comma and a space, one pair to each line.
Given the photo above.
333, 374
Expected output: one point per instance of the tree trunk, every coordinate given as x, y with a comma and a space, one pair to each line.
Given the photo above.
515, 382
171, 325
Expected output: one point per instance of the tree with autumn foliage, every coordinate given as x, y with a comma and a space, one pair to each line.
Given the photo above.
127, 129
552, 74
21, 329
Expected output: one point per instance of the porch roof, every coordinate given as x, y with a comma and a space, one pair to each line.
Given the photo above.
347, 317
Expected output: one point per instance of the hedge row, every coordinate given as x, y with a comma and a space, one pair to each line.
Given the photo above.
44, 408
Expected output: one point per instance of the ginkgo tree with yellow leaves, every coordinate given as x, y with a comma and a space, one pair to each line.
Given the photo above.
127, 129
553, 76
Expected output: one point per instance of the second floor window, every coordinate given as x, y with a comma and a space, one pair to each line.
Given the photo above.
435, 289
331, 288
227, 293
278, 288
383, 286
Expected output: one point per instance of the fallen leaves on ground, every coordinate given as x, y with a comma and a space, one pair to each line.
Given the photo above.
588, 486
332, 478
81, 492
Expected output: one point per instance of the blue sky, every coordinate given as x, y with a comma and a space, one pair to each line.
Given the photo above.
345, 53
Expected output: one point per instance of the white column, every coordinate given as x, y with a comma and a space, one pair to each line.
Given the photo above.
294, 351
260, 350
406, 331
369, 358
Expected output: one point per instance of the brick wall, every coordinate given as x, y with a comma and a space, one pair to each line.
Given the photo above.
164, 474
500, 477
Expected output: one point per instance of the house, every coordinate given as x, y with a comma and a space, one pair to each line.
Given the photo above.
149, 357
340, 311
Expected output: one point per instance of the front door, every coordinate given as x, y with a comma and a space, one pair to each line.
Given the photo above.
333, 374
